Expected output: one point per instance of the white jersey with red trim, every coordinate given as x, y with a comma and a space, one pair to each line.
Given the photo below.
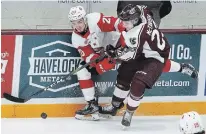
147, 39
102, 31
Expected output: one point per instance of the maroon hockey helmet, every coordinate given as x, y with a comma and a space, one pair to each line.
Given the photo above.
129, 12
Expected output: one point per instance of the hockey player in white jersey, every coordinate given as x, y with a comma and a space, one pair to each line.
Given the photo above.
92, 33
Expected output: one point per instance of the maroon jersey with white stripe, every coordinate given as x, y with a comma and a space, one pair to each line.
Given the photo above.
147, 38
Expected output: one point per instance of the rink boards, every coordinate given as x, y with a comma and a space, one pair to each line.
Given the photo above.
31, 61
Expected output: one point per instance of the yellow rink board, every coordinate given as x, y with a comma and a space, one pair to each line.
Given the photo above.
68, 110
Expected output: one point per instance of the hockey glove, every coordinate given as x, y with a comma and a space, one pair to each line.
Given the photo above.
105, 65
111, 51
114, 52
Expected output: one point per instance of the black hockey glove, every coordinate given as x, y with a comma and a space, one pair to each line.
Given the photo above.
111, 51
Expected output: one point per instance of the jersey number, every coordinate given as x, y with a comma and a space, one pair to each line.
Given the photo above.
106, 20
160, 45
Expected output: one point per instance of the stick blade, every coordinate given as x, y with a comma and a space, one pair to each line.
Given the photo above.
12, 98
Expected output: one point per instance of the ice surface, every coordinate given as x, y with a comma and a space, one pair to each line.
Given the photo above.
140, 125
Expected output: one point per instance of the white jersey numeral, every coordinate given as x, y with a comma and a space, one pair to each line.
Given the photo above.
160, 45
106, 20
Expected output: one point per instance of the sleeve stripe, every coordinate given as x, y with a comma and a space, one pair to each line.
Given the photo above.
143, 15
116, 25
144, 21
88, 58
139, 37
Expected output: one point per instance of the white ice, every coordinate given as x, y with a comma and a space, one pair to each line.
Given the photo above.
140, 125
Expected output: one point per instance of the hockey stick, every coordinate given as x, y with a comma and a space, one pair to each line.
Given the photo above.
67, 77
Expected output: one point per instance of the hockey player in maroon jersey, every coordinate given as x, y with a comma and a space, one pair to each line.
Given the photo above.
141, 68
160, 9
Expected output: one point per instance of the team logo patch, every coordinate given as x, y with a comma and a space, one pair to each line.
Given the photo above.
133, 40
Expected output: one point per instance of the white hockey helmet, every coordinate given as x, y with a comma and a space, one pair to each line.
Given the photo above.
76, 13
191, 123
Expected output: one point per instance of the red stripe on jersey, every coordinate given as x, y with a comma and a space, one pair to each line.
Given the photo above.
86, 84
87, 34
120, 27
167, 66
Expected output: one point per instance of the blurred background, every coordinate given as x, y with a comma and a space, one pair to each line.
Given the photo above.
185, 14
